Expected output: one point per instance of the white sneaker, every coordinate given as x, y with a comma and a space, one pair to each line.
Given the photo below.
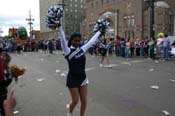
109, 66
67, 108
69, 114
101, 65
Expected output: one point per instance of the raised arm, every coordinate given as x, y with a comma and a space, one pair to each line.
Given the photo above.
91, 42
64, 46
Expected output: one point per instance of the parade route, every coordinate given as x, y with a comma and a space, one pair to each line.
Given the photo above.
133, 87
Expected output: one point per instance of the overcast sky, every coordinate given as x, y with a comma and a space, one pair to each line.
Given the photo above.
13, 13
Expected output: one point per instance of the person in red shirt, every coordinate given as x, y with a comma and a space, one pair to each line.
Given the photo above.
118, 45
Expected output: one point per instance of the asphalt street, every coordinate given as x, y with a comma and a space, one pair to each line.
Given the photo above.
133, 87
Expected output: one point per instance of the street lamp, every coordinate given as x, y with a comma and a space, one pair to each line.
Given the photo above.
151, 4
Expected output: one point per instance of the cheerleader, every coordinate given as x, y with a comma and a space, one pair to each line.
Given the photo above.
76, 79
104, 50
75, 55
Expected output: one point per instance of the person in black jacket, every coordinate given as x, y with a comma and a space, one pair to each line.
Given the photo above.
5, 80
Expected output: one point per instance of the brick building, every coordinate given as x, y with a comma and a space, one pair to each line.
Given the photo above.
129, 18
36, 35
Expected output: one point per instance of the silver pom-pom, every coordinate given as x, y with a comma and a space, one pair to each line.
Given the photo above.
102, 25
53, 17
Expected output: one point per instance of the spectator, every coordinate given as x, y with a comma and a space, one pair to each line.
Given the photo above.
5, 79
123, 45
152, 45
127, 50
166, 47
159, 47
132, 47
118, 46
137, 46
9, 104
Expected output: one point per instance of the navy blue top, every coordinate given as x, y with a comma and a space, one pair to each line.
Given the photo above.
76, 61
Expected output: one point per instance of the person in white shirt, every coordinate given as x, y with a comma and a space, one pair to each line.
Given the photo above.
166, 47
159, 47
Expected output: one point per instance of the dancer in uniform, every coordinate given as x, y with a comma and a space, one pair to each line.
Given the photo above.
75, 55
104, 50
76, 78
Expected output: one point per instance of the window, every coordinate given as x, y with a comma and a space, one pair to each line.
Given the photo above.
75, 5
75, 10
132, 21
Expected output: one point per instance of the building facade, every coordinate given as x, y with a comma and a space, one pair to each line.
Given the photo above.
129, 18
12, 32
36, 35
73, 14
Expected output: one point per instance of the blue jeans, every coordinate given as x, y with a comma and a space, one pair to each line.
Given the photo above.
117, 51
166, 53
142, 51
127, 52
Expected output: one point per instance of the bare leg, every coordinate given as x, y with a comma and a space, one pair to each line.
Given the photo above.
83, 97
75, 97
102, 59
107, 60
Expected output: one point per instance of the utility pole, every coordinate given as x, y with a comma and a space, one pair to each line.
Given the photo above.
63, 6
1, 32
30, 22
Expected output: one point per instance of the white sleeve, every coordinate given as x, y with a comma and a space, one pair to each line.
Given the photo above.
102, 45
91, 42
64, 43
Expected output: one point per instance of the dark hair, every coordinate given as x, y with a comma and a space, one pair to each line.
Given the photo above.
1, 50
166, 35
72, 37
104, 41
153, 38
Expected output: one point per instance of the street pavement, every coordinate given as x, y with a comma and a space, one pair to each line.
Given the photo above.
133, 87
